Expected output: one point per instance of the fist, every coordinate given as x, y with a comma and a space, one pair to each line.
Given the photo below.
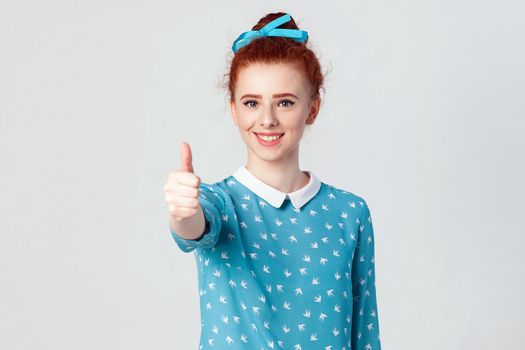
181, 191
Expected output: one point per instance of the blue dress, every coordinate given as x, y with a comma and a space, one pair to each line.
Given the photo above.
284, 271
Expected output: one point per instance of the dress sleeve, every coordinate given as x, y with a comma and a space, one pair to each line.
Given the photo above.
213, 201
365, 322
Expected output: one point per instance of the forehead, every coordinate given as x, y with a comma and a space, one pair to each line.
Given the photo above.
260, 78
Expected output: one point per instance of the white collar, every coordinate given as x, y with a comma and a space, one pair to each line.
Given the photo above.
273, 195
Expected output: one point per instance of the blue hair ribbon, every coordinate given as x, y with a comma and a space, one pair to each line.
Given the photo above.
270, 30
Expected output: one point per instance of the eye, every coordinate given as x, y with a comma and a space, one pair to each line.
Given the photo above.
247, 103
291, 103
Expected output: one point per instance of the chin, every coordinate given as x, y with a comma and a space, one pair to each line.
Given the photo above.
268, 155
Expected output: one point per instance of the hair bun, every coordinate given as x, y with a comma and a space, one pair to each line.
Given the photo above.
271, 16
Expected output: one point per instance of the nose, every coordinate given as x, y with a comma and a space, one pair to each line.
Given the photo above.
268, 118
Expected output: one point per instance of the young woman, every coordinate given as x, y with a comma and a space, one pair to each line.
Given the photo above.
285, 261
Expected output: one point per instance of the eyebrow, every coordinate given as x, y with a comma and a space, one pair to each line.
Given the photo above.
274, 96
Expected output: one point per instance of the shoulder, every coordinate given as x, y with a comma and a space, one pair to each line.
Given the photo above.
219, 188
350, 198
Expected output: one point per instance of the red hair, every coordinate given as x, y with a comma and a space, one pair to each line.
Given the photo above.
275, 49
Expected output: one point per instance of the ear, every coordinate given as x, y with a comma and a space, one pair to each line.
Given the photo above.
234, 113
315, 106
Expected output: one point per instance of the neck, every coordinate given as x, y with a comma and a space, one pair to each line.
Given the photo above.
286, 176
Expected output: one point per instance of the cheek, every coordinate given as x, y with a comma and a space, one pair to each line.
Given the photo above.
293, 123
252, 122
244, 123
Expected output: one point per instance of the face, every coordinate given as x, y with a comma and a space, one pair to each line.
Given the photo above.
272, 100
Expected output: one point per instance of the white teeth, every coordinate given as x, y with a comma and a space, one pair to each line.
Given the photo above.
269, 138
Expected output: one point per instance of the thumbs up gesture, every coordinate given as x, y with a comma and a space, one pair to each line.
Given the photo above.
181, 191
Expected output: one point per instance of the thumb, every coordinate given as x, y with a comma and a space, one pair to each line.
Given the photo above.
185, 153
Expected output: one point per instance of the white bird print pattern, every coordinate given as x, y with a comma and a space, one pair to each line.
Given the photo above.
285, 271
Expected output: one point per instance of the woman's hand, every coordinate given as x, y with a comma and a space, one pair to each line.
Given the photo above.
181, 191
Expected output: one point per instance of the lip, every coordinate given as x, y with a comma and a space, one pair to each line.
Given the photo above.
269, 133
268, 143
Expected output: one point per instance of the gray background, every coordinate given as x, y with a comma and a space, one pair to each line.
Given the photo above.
423, 117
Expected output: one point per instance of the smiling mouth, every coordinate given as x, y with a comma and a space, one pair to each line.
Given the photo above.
268, 138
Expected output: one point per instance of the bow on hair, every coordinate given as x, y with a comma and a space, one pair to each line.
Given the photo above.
270, 30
